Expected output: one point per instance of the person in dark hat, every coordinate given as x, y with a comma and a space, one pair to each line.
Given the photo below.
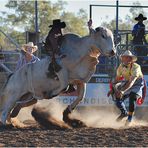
52, 45
138, 34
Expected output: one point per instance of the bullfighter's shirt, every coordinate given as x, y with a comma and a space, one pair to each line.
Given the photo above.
22, 61
130, 70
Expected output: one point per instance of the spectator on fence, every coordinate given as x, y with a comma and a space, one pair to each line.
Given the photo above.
27, 55
138, 34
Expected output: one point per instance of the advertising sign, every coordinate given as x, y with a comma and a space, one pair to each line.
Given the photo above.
96, 94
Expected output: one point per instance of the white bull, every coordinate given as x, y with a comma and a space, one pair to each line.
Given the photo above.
77, 67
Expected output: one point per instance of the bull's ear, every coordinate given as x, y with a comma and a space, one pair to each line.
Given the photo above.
98, 29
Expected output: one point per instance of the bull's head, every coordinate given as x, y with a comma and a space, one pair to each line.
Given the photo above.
104, 41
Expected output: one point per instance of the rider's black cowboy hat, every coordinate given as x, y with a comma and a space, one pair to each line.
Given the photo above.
140, 17
58, 24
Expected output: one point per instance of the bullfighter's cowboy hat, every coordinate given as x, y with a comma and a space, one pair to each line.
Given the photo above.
32, 48
140, 17
129, 54
58, 24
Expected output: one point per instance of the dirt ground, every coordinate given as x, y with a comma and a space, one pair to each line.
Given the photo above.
102, 130
81, 137
100, 135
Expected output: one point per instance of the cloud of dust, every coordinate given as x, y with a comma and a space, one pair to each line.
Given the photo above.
52, 106
97, 117
25, 114
106, 118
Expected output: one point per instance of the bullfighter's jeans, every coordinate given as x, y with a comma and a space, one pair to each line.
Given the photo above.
132, 99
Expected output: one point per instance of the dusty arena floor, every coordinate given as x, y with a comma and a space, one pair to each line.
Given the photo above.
102, 131
86, 137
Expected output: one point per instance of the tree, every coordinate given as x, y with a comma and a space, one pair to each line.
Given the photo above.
22, 17
76, 24
128, 22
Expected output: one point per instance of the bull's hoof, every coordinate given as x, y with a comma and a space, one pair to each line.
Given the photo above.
7, 126
65, 115
75, 123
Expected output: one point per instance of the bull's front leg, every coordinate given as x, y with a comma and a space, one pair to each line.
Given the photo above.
81, 87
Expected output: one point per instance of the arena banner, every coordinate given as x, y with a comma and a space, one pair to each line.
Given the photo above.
96, 94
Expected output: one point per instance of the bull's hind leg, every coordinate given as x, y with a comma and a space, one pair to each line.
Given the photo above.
26, 100
19, 106
7, 107
81, 87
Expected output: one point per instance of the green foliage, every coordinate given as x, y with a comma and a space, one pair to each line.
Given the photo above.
4, 41
128, 23
135, 10
76, 24
22, 17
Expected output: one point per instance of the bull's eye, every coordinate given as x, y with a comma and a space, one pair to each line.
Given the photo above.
103, 36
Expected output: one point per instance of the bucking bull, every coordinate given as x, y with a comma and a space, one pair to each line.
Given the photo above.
79, 64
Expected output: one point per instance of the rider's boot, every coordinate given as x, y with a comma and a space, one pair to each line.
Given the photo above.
53, 68
51, 72
56, 66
